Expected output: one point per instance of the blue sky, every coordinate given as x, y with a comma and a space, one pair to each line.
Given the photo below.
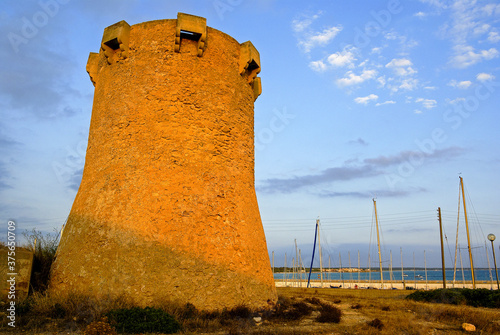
361, 99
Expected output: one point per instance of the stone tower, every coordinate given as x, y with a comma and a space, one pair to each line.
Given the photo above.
167, 204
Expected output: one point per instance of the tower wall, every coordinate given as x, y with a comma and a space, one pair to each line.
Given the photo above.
167, 204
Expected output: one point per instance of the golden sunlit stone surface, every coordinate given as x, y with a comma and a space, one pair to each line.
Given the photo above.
167, 206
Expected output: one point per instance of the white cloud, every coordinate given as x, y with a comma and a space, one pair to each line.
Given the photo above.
409, 84
302, 24
352, 79
456, 101
466, 56
397, 62
485, 77
490, 9
366, 100
481, 29
463, 85
388, 102
418, 111
381, 80
493, 37
401, 67
427, 103
391, 36
318, 66
342, 58
430, 88
406, 84
310, 41
376, 50
420, 14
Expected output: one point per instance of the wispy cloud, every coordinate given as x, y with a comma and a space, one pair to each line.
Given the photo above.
388, 102
427, 103
366, 100
342, 58
401, 66
345, 173
369, 167
465, 84
372, 193
353, 79
318, 66
319, 38
482, 77
468, 24
493, 37
466, 56
309, 38
299, 25
358, 141
403, 156
75, 180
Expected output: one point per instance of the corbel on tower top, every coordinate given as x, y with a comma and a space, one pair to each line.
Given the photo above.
249, 66
193, 28
115, 41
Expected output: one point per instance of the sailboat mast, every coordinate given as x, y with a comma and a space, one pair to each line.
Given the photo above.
378, 243
468, 237
442, 247
297, 264
402, 270
320, 254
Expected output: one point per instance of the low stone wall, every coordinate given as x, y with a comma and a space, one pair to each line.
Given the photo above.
23, 260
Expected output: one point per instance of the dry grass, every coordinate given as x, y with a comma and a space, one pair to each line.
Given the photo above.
376, 312
396, 315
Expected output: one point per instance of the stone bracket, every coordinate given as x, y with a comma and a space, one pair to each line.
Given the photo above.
249, 66
93, 66
115, 41
257, 87
191, 27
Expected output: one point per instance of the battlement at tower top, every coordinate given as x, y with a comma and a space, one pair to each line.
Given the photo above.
116, 39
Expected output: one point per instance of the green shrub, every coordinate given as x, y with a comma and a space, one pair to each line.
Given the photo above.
143, 320
459, 296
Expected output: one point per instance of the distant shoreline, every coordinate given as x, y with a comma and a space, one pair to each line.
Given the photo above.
376, 284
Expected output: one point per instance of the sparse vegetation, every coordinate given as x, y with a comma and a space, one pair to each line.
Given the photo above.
143, 320
376, 323
459, 296
299, 311
101, 327
44, 254
329, 313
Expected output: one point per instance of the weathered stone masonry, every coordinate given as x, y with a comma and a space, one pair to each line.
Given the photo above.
167, 204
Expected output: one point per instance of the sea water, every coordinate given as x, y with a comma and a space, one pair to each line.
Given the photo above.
409, 275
